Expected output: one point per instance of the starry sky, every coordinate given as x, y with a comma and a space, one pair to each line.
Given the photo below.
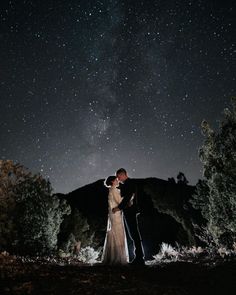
87, 87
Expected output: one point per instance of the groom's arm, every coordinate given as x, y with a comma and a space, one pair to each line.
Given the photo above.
127, 195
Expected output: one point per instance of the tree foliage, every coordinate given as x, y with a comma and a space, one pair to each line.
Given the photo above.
30, 216
75, 233
216, 193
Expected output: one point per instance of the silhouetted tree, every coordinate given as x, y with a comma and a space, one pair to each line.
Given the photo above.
181, 178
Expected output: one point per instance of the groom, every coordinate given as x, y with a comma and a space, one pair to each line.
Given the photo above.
129, 206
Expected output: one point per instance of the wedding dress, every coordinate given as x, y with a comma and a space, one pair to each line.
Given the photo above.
115, 250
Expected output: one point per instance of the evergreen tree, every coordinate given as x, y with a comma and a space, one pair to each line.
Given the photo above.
216, 194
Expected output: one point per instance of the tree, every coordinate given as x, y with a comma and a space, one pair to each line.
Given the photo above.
216, 194
181, 178
30, 216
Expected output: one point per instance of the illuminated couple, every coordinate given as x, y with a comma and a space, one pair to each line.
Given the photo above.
122, 209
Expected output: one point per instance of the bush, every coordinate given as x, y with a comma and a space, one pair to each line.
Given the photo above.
30, 216
75, 234
88, 255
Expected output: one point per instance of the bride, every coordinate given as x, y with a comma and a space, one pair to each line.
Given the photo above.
115, 250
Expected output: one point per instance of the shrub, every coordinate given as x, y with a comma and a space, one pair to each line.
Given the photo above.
88, 255
30, 216
75, 233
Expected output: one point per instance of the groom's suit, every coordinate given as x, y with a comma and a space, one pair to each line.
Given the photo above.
129, 205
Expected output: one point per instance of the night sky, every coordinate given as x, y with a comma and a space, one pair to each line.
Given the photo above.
87, 87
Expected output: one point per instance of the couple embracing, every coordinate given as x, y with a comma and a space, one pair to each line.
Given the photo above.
122, 209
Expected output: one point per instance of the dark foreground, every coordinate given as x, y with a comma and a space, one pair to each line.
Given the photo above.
180, 278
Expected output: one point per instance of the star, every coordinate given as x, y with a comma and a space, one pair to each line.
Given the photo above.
87, 88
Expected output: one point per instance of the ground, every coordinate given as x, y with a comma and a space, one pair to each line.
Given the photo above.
41, 277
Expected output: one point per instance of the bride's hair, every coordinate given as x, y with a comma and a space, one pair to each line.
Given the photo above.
109, 180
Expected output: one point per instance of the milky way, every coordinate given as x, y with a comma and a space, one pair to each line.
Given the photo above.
91, 86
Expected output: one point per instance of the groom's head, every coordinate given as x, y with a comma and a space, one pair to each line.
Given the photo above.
121, 174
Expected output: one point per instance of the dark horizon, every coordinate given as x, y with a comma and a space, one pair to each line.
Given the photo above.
102, 180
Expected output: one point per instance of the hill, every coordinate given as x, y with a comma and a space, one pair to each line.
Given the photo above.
166, 215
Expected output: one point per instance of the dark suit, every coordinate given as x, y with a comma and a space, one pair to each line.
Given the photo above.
130, 208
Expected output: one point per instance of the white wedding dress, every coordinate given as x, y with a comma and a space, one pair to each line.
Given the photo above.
115, 250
